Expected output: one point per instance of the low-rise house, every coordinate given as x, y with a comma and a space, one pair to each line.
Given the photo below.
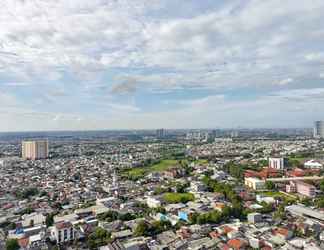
254, 218
63, 232
153, 202
33, 219
284, 233
238, 244
254, 183
122, 234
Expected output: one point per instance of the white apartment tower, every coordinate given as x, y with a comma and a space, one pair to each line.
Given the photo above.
33, 150
319, 129
277, 163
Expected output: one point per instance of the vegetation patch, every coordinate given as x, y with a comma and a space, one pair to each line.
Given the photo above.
137, 173
178, 197
279, 195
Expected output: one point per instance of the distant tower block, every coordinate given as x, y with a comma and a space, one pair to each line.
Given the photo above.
34, 150
319, 129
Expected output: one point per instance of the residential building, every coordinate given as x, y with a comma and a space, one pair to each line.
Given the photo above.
160, 133
305, 189
63, 232
254, 183
313, 164
254, 218
153, 202
277, 163
33, 150
319, 129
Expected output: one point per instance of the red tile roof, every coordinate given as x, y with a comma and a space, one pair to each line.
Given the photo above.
237, 243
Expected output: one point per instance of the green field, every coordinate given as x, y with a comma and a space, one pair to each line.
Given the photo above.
178, 197
201, 161
278, 194
163, 165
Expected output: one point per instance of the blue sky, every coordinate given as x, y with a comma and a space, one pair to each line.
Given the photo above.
141, 64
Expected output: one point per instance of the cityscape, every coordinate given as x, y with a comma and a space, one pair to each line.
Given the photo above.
161, 125
163, 189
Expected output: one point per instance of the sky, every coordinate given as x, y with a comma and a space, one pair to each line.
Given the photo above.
145, 64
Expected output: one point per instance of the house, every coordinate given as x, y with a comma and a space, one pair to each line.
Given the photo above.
254, 218
284, 233
122, 234
33, 219
313, 164
167, 237
63, 232
238, 244
254, 183
197, 186
153, 202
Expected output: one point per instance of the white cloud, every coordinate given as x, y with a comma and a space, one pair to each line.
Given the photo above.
319, 56
285, 81
102, 48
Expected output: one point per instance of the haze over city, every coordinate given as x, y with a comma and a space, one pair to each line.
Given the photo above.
139, 64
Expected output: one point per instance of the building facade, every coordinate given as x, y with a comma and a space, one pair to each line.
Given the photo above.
254, 183
33, 150
63, 232
301, 188
160, 133
319, 129
277, 163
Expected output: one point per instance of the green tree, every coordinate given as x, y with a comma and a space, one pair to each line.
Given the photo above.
322, 185
270, 185
142, 229
98, 238
50, 219
280, 212
12, 244
320, 202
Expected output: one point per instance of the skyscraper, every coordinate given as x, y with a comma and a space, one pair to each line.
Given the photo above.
319, 129
33, 150
160, 133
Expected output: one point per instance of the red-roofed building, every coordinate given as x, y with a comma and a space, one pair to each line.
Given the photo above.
263, 174
23, 242
283, 233
237, 244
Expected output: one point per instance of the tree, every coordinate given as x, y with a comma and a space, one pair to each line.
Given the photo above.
322, 185
142, 229
12, 244
50, 219
98, 238
25, 194
320, 202
280, 212
270, 185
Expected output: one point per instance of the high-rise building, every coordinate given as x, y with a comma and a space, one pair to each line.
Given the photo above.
277, 163
33, 150
319, 129
160, 133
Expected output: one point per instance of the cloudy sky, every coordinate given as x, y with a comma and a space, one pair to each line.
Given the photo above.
120, 64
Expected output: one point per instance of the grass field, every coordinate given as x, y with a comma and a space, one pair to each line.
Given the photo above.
163, 165
159, 167
178, 197
279, 194
201, 161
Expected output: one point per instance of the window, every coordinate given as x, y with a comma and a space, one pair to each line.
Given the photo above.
65, 234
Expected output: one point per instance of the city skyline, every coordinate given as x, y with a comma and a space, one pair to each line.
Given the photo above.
160, 64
